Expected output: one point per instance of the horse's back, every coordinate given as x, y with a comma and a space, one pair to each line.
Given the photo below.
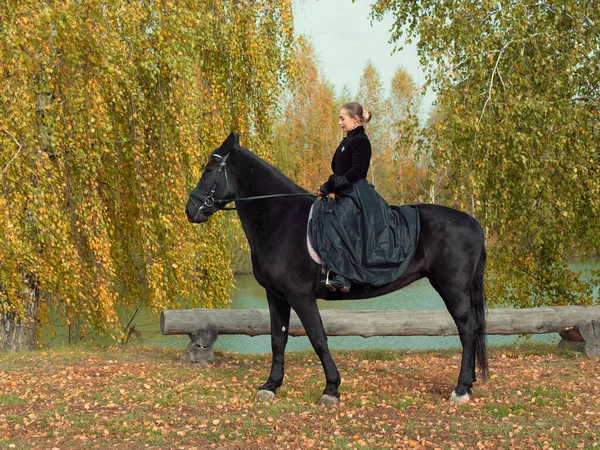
448, 221
449, 240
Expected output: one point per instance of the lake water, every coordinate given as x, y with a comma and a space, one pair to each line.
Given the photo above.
249, 294
418, 296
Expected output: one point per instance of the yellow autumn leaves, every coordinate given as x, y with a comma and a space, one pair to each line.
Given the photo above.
130, 100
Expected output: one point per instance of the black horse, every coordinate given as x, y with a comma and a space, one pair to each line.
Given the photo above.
450, 253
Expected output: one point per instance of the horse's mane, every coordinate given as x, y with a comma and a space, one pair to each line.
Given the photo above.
262, 166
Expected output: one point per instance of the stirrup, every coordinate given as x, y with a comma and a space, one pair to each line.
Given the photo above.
338, 282
328, 285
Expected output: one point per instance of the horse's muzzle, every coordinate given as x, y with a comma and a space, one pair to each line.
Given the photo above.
197, 217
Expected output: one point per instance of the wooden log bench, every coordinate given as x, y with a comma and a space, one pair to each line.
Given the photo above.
204, 325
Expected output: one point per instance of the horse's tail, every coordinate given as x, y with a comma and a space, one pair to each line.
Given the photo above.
480, 306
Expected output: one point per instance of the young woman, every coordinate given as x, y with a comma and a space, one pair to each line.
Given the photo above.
350, 163
358, 235
352, 158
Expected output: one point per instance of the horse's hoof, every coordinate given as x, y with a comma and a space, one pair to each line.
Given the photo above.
265, 396
328, 400
459, 399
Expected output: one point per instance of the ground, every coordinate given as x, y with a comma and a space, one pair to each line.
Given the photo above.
537, 397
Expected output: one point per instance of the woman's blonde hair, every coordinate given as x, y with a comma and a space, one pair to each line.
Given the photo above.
357, 112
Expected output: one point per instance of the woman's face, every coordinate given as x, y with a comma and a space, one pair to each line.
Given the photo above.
346, 122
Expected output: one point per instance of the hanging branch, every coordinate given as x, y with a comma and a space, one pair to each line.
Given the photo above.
15, 155
494, 71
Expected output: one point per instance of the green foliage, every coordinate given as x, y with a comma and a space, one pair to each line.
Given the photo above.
517, 134
108, 110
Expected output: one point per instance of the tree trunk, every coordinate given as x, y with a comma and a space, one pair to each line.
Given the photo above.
21, 334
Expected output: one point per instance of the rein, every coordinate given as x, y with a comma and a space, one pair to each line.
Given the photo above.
259, 197
209, 200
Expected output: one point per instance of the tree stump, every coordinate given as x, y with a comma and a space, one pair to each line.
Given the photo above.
199, 350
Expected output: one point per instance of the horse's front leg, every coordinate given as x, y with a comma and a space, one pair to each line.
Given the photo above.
279, 310
308, 313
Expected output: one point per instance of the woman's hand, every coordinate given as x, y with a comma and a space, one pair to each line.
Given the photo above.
322, 192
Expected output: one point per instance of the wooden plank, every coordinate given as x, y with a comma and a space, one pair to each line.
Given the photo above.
253, 322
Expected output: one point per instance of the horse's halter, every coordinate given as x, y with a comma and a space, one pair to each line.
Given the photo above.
209, 200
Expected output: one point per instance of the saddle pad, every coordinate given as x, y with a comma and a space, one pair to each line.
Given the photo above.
311, 251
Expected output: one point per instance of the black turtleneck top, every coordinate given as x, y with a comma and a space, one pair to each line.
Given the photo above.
350, 161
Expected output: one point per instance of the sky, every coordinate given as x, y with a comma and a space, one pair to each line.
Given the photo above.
345, 39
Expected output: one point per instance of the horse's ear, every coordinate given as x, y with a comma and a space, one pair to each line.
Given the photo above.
227, 145
237, 138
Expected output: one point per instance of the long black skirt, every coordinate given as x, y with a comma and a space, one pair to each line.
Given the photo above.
359, 236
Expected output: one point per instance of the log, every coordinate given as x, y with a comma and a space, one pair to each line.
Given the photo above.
254, 322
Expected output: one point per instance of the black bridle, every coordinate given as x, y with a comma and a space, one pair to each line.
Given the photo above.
209, 200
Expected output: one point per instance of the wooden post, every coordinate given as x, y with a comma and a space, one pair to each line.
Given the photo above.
590, 331
200, 350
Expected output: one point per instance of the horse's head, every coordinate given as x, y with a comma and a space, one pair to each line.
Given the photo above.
215, 187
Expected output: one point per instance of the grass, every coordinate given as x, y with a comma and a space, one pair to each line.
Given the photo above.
146, 397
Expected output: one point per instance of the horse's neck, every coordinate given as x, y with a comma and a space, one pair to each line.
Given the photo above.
263, 218
257, 177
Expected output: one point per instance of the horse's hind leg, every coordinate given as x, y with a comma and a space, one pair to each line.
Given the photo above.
458, 302
308, 313
279, 310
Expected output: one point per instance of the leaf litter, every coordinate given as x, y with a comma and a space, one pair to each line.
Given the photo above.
145, 397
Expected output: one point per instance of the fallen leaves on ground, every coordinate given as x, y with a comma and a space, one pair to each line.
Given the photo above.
146, 397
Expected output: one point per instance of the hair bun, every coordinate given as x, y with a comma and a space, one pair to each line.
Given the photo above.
356, 111
366, 116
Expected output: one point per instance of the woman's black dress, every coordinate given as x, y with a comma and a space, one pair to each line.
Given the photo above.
357, 234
